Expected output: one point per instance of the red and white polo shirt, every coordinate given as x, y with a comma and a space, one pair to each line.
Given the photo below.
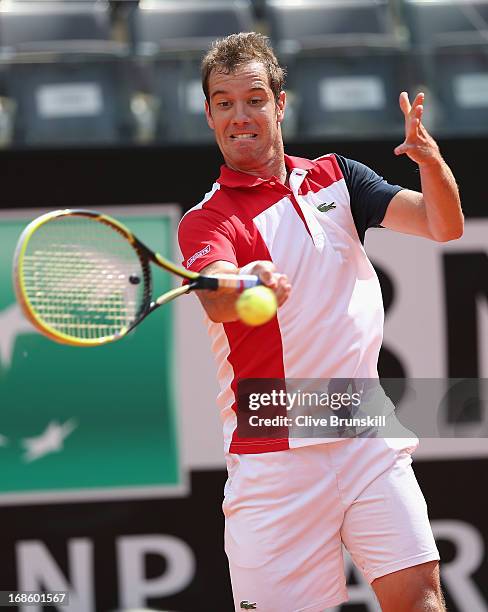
332, 324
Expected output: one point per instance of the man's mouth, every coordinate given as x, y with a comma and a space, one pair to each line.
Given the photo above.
248, 135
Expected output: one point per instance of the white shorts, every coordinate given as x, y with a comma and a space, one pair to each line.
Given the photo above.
289, 512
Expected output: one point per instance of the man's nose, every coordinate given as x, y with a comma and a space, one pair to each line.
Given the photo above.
241, 114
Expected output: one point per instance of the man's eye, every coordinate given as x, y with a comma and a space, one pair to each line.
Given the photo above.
255, 101
223, 104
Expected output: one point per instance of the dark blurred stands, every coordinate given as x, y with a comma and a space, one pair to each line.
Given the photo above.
346, 64
172, 36
115, 72
66, 77
450, 54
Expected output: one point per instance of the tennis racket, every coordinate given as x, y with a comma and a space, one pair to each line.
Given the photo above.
82, 278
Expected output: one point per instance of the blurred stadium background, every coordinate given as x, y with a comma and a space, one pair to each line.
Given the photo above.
112, 471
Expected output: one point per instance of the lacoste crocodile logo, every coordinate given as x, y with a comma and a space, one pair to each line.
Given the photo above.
326, 207
246, 605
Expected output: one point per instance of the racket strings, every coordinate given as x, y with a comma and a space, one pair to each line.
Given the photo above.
83, 278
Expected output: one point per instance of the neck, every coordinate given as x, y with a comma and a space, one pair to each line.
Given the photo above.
275, 166
277, 170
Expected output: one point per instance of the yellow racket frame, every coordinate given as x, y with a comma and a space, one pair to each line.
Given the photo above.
20, 290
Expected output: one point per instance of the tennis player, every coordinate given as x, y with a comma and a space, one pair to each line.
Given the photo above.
290, 503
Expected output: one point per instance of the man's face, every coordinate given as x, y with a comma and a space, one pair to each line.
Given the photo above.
245, 117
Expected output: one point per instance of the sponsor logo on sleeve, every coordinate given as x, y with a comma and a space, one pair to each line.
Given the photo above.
197, 255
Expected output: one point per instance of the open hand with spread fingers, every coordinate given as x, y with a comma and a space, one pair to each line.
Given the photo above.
418, 144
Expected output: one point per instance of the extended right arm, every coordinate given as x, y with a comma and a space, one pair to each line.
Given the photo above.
208, 242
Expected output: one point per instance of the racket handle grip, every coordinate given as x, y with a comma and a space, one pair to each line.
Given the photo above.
249, 280
238, 282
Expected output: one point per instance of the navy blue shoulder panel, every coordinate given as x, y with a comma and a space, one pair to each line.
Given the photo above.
369, 193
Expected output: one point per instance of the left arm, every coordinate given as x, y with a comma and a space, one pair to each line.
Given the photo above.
436, 212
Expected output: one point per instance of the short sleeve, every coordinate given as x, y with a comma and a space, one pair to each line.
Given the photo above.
204, 237
369, 194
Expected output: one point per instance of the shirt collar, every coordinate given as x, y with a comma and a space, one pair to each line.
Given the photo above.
298, 162
234, 178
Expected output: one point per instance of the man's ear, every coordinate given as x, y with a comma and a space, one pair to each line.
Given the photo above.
208, 115
281, 105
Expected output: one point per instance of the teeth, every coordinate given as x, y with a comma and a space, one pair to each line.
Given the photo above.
243, 136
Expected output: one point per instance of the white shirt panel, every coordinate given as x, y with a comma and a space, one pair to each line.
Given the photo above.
225, 376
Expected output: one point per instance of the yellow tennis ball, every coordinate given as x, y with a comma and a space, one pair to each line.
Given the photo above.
257, 305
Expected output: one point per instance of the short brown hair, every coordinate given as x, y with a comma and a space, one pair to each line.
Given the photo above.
237, 49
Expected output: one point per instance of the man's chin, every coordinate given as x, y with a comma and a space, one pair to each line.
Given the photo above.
243, 162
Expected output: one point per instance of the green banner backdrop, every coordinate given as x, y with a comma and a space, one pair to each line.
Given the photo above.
87, 423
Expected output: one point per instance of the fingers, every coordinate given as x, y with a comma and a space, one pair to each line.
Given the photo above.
418, 145
405, 103
412, 112
400, 150
419, 99
274, 280
416, 114
265, 270
418, 107
413, 118
278, 283
283, 289
411, 109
